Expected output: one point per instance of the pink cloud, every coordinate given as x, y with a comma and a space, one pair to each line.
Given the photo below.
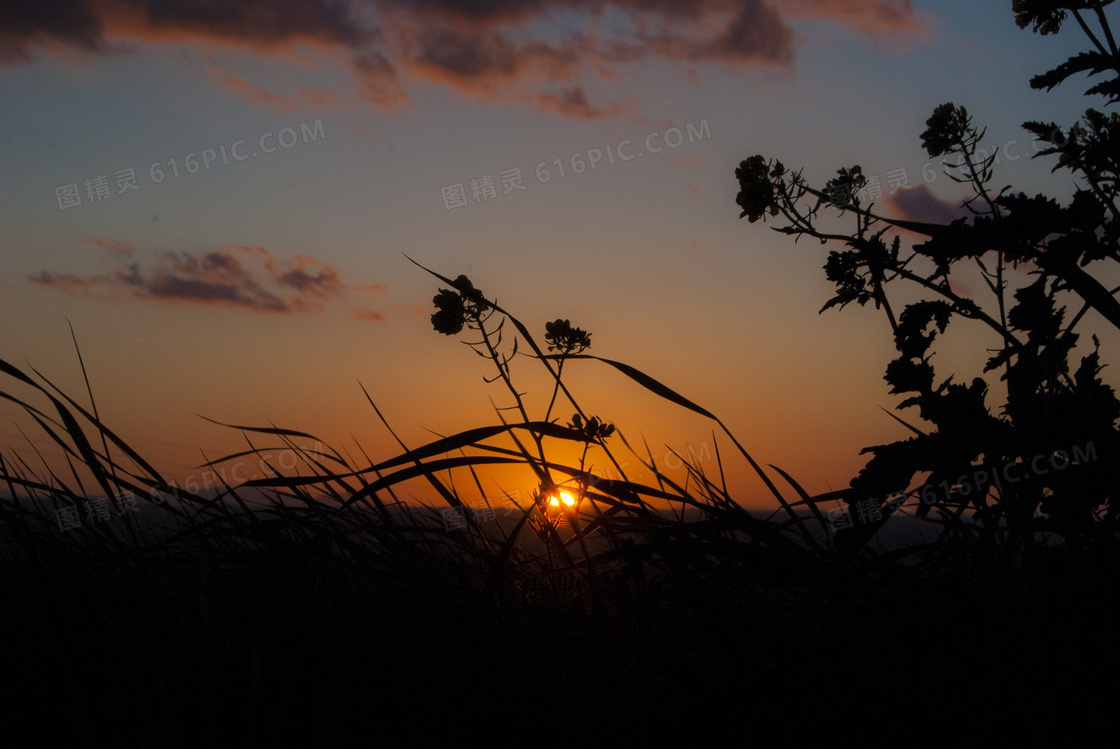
112, 246
252, 93
961, 289
96, 288
317, 98
412, 309
244, 277
920, 204
876, 18
573, 103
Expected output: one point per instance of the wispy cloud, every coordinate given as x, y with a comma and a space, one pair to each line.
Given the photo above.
243, 277
878, 19
113, 246
367, 315
318, 98
412, 309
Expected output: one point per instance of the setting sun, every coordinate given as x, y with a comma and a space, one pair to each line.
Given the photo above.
564, 496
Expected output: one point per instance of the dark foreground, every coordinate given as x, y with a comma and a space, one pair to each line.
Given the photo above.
207, 643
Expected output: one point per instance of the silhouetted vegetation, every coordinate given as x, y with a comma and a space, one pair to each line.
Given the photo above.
315, 607
1035, 256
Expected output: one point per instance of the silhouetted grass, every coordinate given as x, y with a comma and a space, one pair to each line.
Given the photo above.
315, 607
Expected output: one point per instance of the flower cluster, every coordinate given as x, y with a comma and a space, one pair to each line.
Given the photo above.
593, 429
758, 187
947, 130
843, 190
562, 337
456, 308
1046, 15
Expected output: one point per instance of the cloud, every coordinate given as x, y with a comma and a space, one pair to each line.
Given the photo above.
875, 18
263, 25
243, 277
538, 53
367, 315
311, 278
97, 288
412, 309
378, 83
961, 289
252, 93
27, 24
110, 246
215, 278
573, 103
920, 204
320, 98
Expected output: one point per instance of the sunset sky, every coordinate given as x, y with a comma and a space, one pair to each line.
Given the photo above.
220, 196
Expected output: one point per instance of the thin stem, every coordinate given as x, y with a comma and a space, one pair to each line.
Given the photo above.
1001, 288
555, 389
977, 313
1099, 9
503, 371
1089, 32
1084, 309
805, 226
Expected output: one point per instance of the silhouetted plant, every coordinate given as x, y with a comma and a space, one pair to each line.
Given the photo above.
1052, 408
457, 308
593, 428
467, 307
562, 337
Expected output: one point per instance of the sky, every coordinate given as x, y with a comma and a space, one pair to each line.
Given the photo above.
221, 199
